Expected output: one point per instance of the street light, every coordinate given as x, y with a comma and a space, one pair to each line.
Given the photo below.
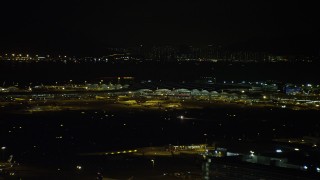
205, 135
152, 160
3, 148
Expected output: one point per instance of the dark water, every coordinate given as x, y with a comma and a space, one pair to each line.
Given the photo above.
59, 134
50, 72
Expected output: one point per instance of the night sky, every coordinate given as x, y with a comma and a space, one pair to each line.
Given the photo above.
88, 27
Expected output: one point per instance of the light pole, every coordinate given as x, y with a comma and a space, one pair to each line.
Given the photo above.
152, 160
2, 151
71, 83
206, 139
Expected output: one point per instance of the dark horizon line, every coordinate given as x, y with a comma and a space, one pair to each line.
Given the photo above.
101, 51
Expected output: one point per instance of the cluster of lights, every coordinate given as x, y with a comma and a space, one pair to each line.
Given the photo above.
305, 167
121, 152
